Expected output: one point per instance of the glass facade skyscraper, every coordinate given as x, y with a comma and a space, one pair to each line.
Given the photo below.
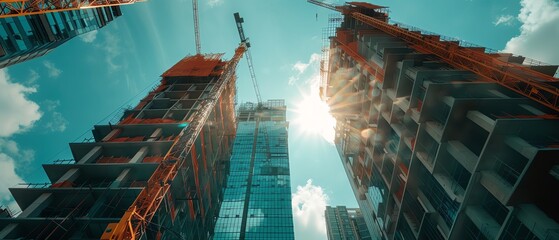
27, 37
257, 198
345, 224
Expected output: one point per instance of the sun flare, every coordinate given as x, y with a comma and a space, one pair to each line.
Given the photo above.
313, 116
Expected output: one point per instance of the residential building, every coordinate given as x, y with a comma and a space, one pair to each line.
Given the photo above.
345, 224
434, 146
28, 37
257, 199
157, 173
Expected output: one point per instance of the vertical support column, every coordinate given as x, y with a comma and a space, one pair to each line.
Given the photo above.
91, 155
139, 156
71, 175
31, 211
111, 135
155, 135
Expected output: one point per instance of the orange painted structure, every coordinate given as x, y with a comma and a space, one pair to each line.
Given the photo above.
16, 8
158, 173
137, 219
441, 139
522, 79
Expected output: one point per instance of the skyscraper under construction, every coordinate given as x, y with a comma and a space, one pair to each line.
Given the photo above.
442, 139
158, 173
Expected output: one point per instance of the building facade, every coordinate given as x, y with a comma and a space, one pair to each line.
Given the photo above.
257, 199
28, 37
345, 224
110, 179
433, 151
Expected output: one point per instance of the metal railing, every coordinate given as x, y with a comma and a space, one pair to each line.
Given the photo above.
462, 43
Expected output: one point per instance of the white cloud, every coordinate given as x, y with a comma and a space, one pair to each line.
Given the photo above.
33, 77
17, 112
214, 3
53, 71
539, 31
55, 122
89, 37
504, 19
302, 71
8, 178
112, 47
10, 148
308, 206
301, 67
11, 158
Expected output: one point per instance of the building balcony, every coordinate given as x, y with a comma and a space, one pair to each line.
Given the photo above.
481, 120
425, 159
435, 129
403, 103
451, 187
391, 93
415, 114
522, 147
495, 184
410, 142
483, 221
462, 154
386, 115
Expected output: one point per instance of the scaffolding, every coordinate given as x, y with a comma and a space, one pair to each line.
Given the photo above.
531, 83
153, 174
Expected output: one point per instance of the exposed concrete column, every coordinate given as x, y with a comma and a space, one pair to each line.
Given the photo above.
112, 134
91, 155
481, 119
121, 178
71, 175
117, 183
31, 211
155, 135
139, 156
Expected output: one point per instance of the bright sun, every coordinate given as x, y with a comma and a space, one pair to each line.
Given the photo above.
313, 117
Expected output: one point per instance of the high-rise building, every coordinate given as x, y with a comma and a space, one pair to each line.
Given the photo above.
27, 37
158, 173
442, 139
257, 199
345, 224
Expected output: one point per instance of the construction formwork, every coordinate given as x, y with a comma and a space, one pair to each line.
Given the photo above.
110, 179
435, 151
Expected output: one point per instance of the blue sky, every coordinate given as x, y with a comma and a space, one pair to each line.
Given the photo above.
50, 101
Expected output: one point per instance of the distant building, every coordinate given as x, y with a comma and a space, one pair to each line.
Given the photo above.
435, 148
345, 224
257, 199
28, 37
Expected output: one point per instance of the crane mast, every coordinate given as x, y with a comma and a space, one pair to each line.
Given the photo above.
196, 27
521, 79
16, 8
239, 20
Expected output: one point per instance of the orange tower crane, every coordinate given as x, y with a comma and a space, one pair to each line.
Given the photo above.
532, 84
16, 8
